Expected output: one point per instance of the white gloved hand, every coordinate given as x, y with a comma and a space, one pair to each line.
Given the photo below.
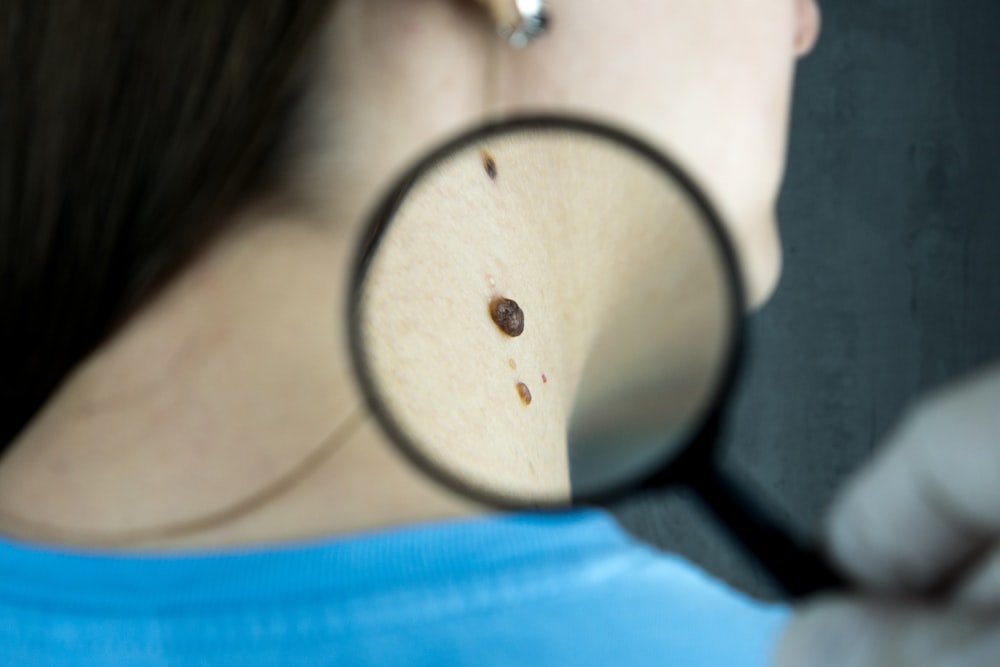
925, 514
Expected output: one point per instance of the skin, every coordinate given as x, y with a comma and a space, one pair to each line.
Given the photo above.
237, 372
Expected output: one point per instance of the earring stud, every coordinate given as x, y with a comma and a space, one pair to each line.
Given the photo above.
533, 21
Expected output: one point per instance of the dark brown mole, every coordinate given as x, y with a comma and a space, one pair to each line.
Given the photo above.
489, 164
507, 315
524, 393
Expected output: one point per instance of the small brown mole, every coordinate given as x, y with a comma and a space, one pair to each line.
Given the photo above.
524, 393
507, 315
544, 379
489, 164
512, 364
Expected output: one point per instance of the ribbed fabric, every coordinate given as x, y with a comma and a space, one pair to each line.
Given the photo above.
528, 589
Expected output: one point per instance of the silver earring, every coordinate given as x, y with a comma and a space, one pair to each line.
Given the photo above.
533, 21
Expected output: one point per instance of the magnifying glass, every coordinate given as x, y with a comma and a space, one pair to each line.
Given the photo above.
547, 312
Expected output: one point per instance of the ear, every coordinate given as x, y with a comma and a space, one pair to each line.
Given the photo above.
807, 26
503, 12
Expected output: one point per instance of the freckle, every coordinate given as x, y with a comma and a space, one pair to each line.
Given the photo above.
507, 315
489, 164
512, 364
524, 393
544, 379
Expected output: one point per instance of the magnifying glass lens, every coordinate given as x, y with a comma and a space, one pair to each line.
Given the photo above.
544, 311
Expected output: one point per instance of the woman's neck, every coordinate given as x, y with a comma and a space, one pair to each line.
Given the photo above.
216, 391
228, 411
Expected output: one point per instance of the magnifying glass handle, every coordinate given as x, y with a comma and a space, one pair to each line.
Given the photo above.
800, 569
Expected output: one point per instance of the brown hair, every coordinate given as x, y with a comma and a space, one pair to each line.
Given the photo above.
129, 131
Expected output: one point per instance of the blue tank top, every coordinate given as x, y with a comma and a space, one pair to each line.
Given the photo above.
566, 588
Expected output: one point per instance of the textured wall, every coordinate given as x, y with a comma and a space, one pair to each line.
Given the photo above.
890, 219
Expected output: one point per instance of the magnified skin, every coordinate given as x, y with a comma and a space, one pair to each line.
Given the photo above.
634, 346
507, 315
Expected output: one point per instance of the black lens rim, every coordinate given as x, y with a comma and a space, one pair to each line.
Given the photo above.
703, 435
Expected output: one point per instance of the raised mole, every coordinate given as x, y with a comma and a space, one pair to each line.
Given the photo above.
507, 315
524, 393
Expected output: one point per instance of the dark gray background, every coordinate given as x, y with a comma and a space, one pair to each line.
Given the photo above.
890, 220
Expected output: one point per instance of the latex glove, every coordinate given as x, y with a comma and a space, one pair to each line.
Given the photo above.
925, 514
